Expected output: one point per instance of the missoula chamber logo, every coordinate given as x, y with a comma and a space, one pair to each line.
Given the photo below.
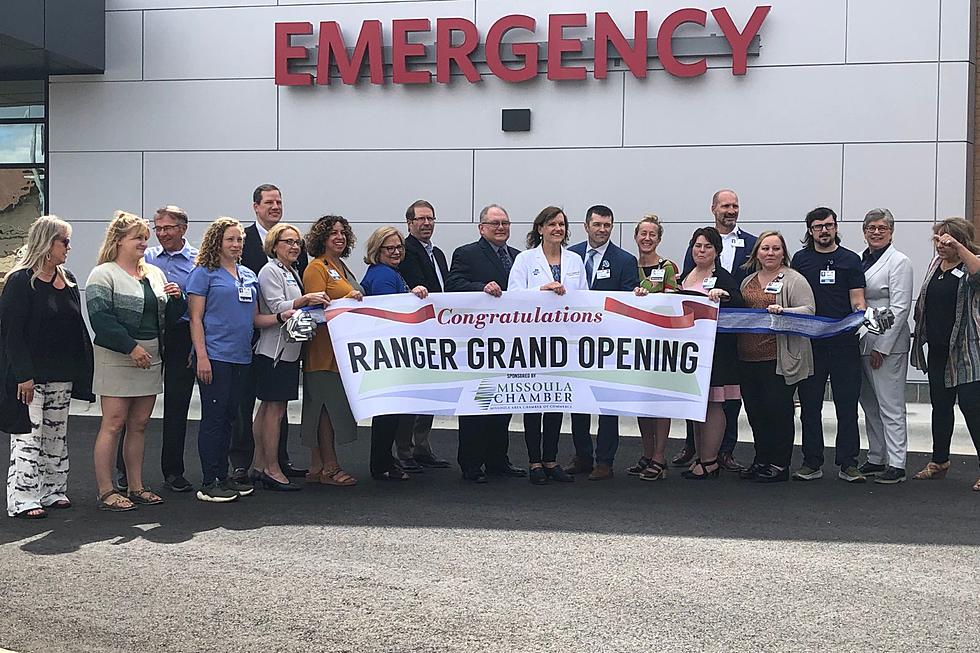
522, 391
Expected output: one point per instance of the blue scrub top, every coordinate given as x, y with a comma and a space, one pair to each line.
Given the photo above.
227, 319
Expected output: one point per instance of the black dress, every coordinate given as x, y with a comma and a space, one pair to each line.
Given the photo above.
724, 368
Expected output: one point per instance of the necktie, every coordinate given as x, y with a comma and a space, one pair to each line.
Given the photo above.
435, 266
589, 267
504, 257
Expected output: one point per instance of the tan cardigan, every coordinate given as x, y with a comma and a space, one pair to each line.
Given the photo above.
794, 356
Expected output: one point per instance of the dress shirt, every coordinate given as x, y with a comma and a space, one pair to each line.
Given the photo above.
175, 265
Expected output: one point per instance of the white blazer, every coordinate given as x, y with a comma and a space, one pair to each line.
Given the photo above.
530, 271
889, 285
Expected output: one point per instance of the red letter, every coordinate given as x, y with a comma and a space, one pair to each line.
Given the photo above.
606, 30
402, 49
332, 43
665, 49
740, 40
557, 45
285, 52
446, 52
526, 52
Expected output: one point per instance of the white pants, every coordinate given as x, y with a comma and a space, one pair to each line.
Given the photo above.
38, 473
883, 401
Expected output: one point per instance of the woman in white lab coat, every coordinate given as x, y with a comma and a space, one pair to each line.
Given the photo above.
546, 265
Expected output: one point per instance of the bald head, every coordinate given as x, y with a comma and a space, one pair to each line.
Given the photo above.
724, 206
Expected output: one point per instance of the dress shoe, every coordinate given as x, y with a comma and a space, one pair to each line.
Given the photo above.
728, 462
579, 466
772, 474
475, 476
558, 474
601, 473
291, 471
750, 472
537, 476
270, 483
410, 465
683, 457
431, 461
508, 470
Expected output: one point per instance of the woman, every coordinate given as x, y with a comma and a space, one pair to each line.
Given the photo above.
885, 357
276, 362
327, 417
657, 274
223, 308
771, 365
714, 281
45, 360
546, 265
946, 319
126, 300
385, 250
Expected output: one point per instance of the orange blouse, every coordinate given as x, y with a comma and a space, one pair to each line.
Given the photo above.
323, 276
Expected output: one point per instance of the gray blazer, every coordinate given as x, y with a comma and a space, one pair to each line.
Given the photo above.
278, 288
889, 285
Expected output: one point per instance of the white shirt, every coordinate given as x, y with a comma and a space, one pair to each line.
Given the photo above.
596, 258
263, 232
432, 257
728, 248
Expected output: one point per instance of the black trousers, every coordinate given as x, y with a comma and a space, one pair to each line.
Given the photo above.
842, 365
542, 447
242, 440
769, 407
384, 428
483, 441
943, 399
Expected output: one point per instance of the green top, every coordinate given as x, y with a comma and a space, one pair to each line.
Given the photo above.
669, 282
149, 326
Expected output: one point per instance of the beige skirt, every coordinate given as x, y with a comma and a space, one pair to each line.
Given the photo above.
116, 375
324, 390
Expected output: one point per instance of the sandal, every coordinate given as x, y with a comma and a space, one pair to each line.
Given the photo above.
144, 497
692, 475
932, 471
391, 476
117, 505
654, 472
41, 513
61, 504
637, 469
337, 476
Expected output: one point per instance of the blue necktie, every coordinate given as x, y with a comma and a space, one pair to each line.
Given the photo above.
504, 257
589, 268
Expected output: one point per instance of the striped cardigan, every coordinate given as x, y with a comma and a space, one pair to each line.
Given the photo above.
114, 301
964, 344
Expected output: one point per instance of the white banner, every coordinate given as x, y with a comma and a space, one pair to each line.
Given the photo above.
608, 353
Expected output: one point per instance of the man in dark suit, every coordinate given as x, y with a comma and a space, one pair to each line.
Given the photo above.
424, 265
484, 266
736, 247
267, 204
607, 267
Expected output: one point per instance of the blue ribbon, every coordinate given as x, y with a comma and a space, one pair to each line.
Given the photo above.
759, 320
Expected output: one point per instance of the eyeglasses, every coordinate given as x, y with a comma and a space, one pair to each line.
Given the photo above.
64, 241
393, 249
876, 229
424, 218
166, 228
829, 226
290, 242
497, 224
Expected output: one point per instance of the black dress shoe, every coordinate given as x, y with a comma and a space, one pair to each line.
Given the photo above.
432, 461
270, 483
289, 471
508, 470
772, 474
410, 465
475, 476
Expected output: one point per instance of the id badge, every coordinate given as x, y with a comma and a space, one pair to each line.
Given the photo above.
709, 283
245, 294
602, 274
333, 274
828, 277
658, 276
738, 242
774, 287
956, 272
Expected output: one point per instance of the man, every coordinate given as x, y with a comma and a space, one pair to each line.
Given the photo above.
175, 256
607, 267
424, 265
736, 247
837, 278
267, 205
484, 266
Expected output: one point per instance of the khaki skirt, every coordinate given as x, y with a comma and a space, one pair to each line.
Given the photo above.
324, 390
116, 375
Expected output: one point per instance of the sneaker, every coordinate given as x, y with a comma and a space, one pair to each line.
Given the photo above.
243, 489
215, 492
891, 476
122, 482
851, 474
870, 469
177, 484
806, 473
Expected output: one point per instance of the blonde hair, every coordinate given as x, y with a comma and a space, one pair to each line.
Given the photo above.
40, 239
272, 237
651, 219
122, 224
373, 246
209, 256
753, 264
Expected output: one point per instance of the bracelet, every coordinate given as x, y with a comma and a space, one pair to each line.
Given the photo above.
279, 318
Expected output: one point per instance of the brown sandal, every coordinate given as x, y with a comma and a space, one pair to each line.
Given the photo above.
932, 472
337, 476
116, 505
144, 497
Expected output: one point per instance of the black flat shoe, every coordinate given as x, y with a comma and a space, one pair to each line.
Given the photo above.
537, 476
289, 471
558, 474
750, 472
432, 461
772, 474
475, 476
508, 470
409, 465
270, 483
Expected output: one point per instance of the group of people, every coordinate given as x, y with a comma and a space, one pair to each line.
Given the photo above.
163, 317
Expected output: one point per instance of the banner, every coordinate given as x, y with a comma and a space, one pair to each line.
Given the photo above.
608, 353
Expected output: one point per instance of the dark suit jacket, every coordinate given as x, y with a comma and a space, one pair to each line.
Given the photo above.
741, 256
477, 264
254, 258
417, 268
622, 266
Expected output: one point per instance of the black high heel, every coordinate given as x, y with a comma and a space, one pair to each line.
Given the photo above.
705, 475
